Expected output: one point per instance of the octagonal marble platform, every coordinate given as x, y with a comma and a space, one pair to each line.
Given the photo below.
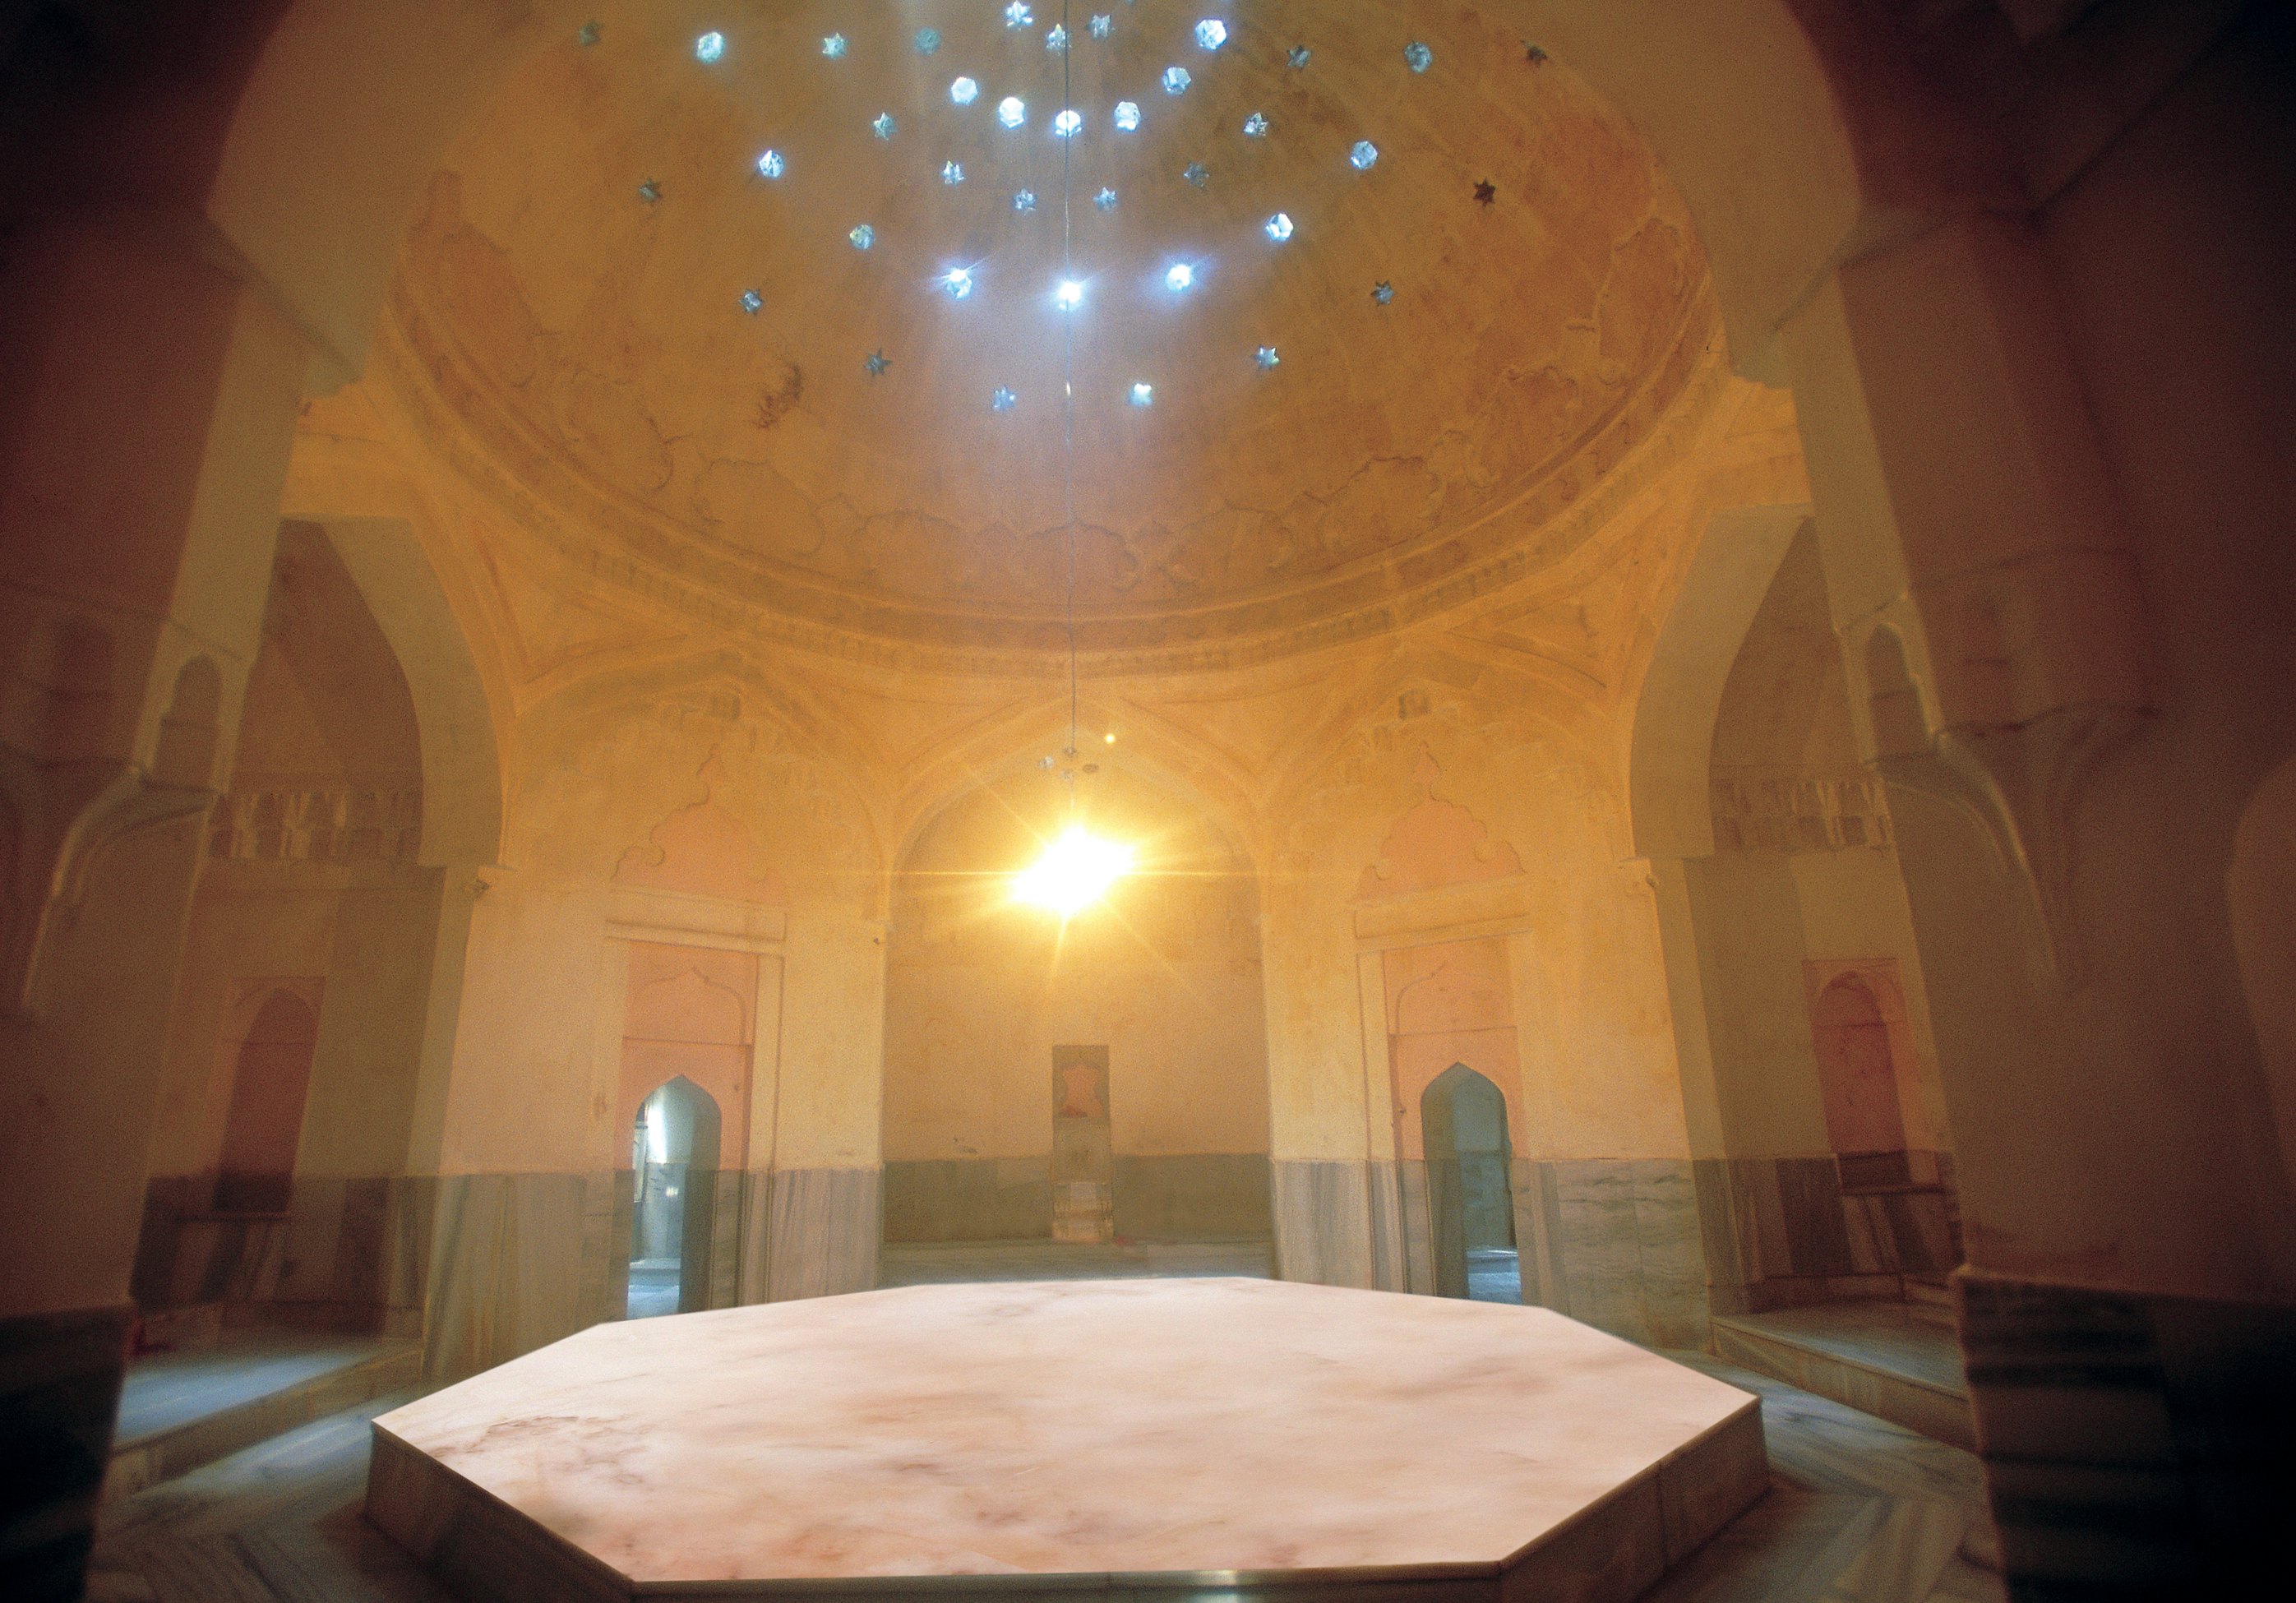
1216, 1438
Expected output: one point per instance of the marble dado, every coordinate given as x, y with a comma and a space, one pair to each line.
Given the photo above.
1206, 1197
2135, 1445
317, 825
347, 1253
1783, 1231
1613, 1243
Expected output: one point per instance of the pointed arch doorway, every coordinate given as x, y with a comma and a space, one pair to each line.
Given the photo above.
674, 1166
1463, 1118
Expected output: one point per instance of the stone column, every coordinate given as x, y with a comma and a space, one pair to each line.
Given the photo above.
147, 400
2128, 1235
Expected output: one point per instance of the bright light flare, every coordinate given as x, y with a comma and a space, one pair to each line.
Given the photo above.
1076, 871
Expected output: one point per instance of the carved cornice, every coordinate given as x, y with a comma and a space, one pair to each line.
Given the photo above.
317, 826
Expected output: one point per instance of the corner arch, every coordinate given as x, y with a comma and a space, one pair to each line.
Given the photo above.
1670, 758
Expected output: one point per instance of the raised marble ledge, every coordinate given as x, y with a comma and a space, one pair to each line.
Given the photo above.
1095, 1438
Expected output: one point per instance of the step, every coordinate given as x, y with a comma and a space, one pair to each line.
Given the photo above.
179, 1410
1900, 1361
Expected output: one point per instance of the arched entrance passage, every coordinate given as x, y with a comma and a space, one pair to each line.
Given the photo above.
674, 1163
1463, 1118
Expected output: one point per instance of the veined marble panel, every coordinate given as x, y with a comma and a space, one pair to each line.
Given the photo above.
507, 1271
60, 1376
1323, 1221
824, 1228
2133, 1443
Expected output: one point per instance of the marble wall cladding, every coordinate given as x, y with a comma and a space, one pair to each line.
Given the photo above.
823, 1230
969, 1199
1616, 1243
1323, 1221
517, 1261
2133, 1445
1202, 1196
1208, 1197
60, 1376
348, 1253
1781, 1231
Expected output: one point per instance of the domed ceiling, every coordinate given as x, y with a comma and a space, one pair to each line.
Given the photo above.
649, 343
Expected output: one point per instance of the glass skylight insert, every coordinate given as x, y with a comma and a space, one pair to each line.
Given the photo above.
770, 164
649, 191
1179, 276
1144, 395
1012, 110
1103, 25
1364, 156
752, 302
957, 282
1001, 399
833, 45
963, 90
1279, 227
1177, 80
1299, 56
952, 172
883, 126
1211, 33
589, 34
709, 48
1197, 174
1024, 200
876, 362
1018, 15
1105, 199
928, 40
1067, 123
1383, 292
863, 236
1058, 39
1255, 127
1265, 358
1419, 56
1128, 117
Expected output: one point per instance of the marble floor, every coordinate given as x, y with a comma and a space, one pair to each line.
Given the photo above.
1494, 1275
653, 1287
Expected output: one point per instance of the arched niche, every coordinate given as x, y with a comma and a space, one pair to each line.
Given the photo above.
270, 1084
1857, 1076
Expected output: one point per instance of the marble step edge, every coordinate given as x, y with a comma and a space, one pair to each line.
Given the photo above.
163, 1455
1941, 1413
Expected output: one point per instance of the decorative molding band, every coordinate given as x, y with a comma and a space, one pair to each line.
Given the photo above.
317, 826
1801, 814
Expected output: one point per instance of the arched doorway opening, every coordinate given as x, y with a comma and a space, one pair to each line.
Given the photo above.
1469, 1196
674, 1161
